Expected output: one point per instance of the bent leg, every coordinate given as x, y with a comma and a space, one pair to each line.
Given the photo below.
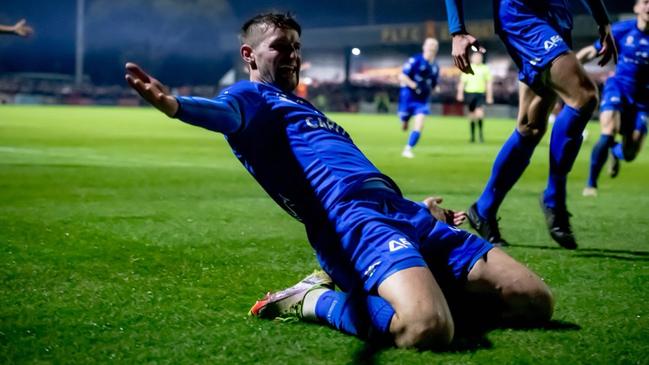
608, 119
523, 296
632, 143
515, 154
569, 79
422, 318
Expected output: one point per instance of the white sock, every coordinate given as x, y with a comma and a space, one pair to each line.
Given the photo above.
309, 303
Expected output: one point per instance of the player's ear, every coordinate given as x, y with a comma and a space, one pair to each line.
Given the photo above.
248, 56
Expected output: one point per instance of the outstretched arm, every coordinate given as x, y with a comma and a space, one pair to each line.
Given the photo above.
462, 40
20, 29
151, 90
220, 115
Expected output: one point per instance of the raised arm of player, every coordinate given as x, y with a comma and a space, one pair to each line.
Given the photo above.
20, 29
462, 40
151, 90
219, 115
608, 50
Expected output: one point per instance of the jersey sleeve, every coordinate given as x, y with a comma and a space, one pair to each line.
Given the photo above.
455, 16
227, 113
409, 67
221, 114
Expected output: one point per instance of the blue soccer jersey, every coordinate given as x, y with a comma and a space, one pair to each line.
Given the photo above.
424, 73
292, 149
361, 227
632, 70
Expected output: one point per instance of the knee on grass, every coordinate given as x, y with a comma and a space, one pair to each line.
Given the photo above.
432, 332
529, 301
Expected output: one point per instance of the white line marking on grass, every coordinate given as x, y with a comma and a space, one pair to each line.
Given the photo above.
89, 157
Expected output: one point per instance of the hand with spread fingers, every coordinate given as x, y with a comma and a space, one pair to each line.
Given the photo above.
152, 90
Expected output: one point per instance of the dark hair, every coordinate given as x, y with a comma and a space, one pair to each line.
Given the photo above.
265, 20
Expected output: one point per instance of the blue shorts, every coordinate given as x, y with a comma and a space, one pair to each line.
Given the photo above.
618, 97
533, 38
381, 233
410, 105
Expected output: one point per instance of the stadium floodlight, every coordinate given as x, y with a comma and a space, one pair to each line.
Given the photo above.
356, 51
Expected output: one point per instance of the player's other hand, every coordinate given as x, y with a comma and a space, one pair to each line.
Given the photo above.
151, 90
447, 216
22, 29
609, 49
462, 44
490, 100
459, 97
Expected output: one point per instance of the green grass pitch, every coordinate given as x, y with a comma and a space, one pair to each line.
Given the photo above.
128, 237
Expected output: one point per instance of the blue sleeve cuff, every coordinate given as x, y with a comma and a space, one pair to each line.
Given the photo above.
455, 16
219, 115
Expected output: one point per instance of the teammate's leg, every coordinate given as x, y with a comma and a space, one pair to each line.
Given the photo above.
512, 159
609, 122
415, 134
569, 79
521, 297
632, 142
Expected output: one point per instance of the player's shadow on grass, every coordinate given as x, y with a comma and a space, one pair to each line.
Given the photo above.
625, 255
467, 339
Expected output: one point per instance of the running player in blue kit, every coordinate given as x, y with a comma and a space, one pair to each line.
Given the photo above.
395, 260
418, 78
624, 108
537, 37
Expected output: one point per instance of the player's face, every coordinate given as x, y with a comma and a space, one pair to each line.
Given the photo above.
278, 58
430, 48
641, 8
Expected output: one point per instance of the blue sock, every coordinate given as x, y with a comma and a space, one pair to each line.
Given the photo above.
598, 158
564, 146
414, 138
618, 152
358, 315
513, 158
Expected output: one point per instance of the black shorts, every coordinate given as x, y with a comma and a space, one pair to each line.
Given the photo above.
474, 100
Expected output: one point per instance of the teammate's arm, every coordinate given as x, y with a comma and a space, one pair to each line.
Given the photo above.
219, 115
462, 41
406, 80
20, 29
587, 54
608, 50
